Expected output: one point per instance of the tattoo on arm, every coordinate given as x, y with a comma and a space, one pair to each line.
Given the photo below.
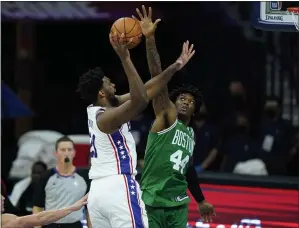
153, 58
154, 64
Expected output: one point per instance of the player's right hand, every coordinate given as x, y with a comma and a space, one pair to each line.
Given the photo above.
80, 203
146, 23
120, 45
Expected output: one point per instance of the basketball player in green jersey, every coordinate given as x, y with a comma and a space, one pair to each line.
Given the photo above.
167, 173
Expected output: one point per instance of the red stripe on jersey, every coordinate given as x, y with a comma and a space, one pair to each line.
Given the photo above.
115, 153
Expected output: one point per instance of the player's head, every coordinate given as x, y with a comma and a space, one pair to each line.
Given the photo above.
2, 204
65, 150
95, 87
37, 170
187, 100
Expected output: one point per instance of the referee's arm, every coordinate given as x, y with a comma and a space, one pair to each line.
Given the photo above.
39, 196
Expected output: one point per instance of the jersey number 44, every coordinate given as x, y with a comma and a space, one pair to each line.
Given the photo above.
179, 162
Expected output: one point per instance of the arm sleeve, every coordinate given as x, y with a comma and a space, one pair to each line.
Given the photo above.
39, 196
193, 184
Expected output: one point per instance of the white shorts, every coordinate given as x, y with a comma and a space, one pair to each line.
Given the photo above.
115, 202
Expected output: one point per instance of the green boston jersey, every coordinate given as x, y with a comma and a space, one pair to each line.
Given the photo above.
163, 181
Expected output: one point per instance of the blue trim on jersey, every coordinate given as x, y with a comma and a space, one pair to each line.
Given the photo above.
66, 176
134, 202
122, 152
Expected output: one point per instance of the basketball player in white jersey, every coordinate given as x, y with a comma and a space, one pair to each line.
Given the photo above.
114, 198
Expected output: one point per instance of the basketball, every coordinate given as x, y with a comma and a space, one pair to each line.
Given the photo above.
130, 27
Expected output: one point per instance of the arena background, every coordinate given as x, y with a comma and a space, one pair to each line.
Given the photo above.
42, 59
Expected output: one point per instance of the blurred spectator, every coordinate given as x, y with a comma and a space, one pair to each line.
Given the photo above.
236, 105
238, 146
238, 96
275, 136
205, 151
9, 208
22, 193
293, 162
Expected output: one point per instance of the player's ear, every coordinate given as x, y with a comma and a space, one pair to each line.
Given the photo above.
101, 93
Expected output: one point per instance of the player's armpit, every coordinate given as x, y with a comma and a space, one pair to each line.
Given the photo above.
110, 120
164, 120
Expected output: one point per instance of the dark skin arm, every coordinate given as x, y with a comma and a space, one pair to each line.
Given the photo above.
110, 120
165, 110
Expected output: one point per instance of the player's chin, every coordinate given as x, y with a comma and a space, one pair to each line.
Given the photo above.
183, 113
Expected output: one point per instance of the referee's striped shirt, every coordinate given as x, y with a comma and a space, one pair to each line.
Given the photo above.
55, 191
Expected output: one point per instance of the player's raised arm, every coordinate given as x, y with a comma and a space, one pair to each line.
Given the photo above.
110, 120
42, 218
157, 84
161, 101
157, 87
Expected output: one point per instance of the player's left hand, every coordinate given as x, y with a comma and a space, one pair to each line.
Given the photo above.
146, 23
186, 55
206, 211
120, 45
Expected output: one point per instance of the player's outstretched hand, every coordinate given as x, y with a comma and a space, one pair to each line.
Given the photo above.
206, 211
146, 23
79, 204
186, 55
120, 45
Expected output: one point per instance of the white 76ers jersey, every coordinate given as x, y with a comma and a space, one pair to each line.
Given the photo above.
111, 154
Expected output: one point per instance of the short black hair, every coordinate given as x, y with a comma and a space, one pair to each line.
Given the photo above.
40, 163
63, 139
90, 83
185, 88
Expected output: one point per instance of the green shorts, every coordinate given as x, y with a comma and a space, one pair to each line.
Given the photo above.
167, 217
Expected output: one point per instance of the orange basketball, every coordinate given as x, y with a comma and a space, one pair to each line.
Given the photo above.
130, 27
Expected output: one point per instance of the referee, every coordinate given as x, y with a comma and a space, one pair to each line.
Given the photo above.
62, 186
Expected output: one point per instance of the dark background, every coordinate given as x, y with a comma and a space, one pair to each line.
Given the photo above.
66, 49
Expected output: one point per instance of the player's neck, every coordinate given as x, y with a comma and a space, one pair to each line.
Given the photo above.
65, 169
104, 103
184, 119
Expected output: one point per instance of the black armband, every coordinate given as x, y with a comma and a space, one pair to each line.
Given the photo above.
193, 184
